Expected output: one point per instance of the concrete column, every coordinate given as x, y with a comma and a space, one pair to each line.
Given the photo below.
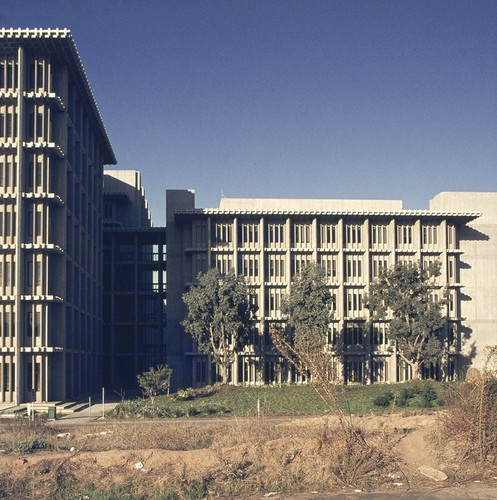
19, 260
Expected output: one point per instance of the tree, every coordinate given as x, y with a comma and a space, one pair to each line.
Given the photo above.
220, 317
403, 294
307, 311
155, 381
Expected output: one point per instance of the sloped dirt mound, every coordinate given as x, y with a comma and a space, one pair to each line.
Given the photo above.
225, 458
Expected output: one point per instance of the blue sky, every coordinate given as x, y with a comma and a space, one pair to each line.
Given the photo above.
305, 99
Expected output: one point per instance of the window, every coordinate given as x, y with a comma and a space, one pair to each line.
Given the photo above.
249, 235
334, 301
329, 263
354, 369
452, 304
29, 225
328, 235
354, 303
38, 223
275, 235
404, 235
379, 336
354, 268
299, 261
430, 235
353, 234
201, 371
199, 262
108, 209
354, 335
406, 259
199, 233
451, 237
429, 261
301, 235
222, 233
379, 370
249, 265
3, 67
333, 334
275, 267
452, 269
379, 235
379, 263
273, 302
223, 262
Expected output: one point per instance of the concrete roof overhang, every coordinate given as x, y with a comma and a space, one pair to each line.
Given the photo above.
459, 217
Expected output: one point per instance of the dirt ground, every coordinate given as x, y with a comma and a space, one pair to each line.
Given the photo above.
258, 458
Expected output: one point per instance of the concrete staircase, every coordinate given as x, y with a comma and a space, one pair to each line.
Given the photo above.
8, 410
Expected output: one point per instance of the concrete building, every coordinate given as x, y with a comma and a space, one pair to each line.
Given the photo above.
269, 241
53, 146
134, 298
478, 270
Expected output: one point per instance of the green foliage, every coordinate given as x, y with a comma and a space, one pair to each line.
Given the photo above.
29, 446
384, 400
428, 396
413, 395
285, 400
155, 381
307, 306
307, 311
191, 393
416, 321
220, 316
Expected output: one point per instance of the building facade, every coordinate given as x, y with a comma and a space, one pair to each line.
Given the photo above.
134, 295
478, 270
269, 241
53, 147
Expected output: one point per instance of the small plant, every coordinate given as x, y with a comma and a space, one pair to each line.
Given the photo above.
428, 396
384, 400
29, 446
155, 381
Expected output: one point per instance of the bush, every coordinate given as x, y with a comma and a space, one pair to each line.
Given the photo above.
383, 400
428, 396
470, 424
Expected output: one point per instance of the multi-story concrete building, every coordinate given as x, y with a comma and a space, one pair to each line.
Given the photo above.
134, 296
53, 146
269, 241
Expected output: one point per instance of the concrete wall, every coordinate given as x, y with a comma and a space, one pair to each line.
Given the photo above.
478, 269
288, 205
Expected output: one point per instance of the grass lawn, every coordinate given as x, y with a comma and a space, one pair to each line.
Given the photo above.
285, 400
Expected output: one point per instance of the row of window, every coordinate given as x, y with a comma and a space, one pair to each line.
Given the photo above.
301, 235
275, 265
8, 375
38, 75
277, 371
354, 302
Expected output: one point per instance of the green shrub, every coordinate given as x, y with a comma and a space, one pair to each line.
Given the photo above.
383, 400
29, 446
428, 396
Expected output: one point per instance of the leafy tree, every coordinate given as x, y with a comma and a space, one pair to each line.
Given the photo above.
220, 317
155, 381
403, 294
307, 311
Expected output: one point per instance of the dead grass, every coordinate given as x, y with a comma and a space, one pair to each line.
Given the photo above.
237, 458
468, 429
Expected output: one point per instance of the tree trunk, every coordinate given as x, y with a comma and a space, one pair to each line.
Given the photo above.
416, 370
223, 368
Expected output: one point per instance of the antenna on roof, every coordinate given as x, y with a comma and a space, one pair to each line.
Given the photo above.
222, 194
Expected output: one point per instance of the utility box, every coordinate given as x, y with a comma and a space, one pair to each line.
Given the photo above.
52, 413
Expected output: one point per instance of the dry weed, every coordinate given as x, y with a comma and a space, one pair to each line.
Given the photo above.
468, 431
